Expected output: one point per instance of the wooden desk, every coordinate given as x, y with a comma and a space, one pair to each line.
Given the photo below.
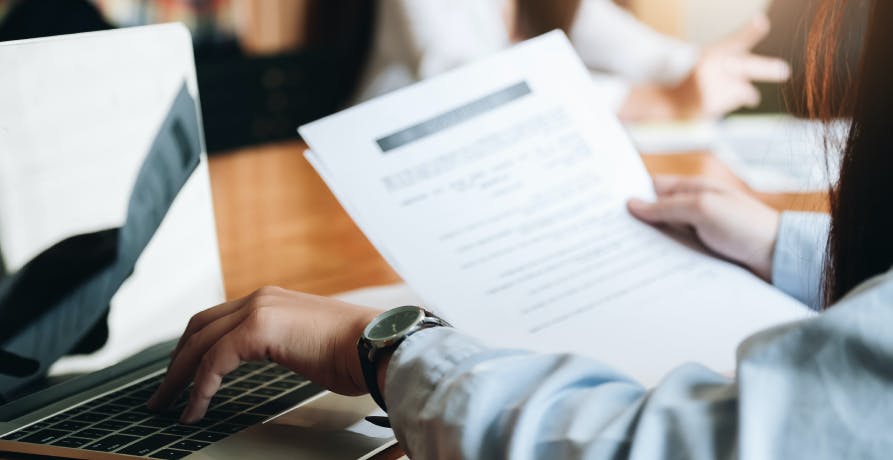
278, 224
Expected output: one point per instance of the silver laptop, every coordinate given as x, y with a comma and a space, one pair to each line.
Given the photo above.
102, 131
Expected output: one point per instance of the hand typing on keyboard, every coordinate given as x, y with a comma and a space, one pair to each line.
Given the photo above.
313, 336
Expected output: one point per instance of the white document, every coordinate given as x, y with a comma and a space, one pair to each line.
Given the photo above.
498, 193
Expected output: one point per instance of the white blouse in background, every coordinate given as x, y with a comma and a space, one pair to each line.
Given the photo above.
417, 39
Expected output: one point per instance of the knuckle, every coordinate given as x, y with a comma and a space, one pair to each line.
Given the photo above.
257, 329
267, 291
194, 322
712, 183
263, 297
258, 318
702, 203
192, 342
699, 182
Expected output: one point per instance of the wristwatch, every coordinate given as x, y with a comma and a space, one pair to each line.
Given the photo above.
384, 334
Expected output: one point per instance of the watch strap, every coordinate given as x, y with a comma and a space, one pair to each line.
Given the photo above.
369, 365
369, 355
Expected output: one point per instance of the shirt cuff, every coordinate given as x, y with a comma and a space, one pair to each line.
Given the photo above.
798, 262
681, 59
415, 369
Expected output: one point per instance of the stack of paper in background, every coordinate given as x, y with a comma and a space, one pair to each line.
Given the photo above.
498, 191
772, 153
777, 153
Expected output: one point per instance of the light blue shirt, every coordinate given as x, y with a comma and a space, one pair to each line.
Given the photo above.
821, 388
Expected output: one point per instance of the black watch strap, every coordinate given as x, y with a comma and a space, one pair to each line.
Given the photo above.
369, 365
370, 357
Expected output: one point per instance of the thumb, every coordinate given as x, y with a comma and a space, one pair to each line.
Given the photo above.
676, 209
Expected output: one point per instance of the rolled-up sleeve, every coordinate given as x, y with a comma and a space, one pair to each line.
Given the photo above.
799, 257
602, 28
819, 389
457, 398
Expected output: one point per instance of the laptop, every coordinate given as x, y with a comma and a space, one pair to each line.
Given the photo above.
100, 134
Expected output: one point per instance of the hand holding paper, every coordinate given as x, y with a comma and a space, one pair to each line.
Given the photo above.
499, 193
727, 220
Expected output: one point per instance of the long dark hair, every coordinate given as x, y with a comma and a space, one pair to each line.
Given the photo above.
860, 244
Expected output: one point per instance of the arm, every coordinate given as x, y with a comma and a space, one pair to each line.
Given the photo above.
814, 389
439, 35
415, 40
786, 249
728, 221
602, 28
799, 256
673, 79
451, 397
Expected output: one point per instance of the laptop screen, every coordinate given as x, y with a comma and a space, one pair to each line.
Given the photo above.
91, 124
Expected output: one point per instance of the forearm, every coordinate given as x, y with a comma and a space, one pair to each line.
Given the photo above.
798, 261
451, 397
440, 35
602, 28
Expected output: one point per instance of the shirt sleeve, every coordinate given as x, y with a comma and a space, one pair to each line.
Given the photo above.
611, 40
819, 388
799, 256
440, 35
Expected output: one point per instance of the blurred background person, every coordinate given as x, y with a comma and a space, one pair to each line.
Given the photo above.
653, 76
266, 67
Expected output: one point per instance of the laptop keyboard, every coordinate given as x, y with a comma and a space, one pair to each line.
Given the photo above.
120, 422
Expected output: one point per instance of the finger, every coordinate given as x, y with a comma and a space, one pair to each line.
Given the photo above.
182, 367
670, 185
762, 68
748, 35
221, 359
202, 319
676, 209
750, 96
738, 96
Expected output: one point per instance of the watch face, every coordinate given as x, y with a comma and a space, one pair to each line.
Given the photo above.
393, 323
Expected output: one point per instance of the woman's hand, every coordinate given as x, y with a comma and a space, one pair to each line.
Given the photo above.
722, 80
728, 221
313, 336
